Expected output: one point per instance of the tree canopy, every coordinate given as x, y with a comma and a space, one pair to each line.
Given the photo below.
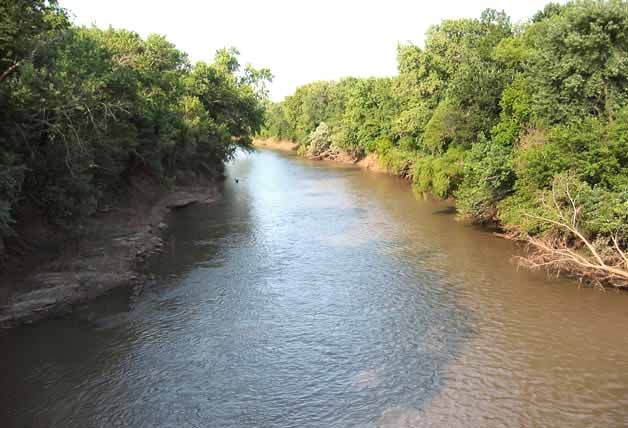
82, 109
517, 122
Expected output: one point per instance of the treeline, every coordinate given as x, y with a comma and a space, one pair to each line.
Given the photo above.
82, 109
524, 124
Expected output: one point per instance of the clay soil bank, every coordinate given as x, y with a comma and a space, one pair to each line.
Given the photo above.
108, 255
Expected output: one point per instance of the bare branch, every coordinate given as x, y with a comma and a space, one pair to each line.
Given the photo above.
619, 251
9, 70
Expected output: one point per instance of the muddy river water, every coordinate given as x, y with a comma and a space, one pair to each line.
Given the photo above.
318, 295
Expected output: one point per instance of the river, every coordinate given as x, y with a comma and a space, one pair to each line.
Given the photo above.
319, 295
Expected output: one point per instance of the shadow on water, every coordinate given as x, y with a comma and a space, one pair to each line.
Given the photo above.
449, 211
313, 295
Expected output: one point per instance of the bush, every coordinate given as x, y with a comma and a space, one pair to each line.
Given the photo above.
81, 109
440, 175
489, 177
319, 140
497, 115
396, 160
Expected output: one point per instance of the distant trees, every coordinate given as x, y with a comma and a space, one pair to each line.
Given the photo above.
497, 115
81, 109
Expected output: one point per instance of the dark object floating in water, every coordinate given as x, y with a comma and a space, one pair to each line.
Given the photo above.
237, 180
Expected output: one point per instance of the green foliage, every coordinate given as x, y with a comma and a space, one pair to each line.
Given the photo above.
82, 109
276, 124
601, 213
369, 110
537, 164
440, 175
319, 140
398, 160
489, 177
550, 10
607, 212
11, 179
579, 60
496, 115
441, 130
516, 114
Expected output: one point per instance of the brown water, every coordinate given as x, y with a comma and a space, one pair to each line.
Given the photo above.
314, 295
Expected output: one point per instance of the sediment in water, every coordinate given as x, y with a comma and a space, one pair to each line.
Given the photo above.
541, 254
369, 162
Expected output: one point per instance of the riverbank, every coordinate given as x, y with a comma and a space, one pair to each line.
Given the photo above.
369, 162
551, 255
109, 254
275, 144
311, 282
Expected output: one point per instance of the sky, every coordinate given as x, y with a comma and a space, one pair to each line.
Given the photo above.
300, 41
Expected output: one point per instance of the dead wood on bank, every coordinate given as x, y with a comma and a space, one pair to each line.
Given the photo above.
602, 262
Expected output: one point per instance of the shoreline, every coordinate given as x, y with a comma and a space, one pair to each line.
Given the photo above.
110, 256
371, 163
274, 144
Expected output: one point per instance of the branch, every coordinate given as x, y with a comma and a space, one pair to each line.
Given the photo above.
555, 255
619, 251
575, 232
9, 70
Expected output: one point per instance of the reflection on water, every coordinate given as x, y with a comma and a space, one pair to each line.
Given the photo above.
314, 295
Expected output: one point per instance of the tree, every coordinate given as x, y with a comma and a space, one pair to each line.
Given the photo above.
83, 109
495, 114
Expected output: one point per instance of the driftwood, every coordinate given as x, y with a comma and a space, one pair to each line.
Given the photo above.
602, 262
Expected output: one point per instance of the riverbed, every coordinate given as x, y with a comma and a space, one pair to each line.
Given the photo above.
313, 294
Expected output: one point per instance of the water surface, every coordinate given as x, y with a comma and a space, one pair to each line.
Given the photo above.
315, 295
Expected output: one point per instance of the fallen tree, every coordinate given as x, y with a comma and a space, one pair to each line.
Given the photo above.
566, 248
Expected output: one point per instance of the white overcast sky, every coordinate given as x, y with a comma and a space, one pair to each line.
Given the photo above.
299, 41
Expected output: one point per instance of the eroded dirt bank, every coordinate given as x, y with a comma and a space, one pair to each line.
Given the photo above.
369, 162
108, 255
272, 143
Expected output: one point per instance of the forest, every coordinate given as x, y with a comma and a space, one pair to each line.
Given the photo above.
524, 125
83, 109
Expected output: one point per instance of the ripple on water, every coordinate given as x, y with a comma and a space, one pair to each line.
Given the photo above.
324, 297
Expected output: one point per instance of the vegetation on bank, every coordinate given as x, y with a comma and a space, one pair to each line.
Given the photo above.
83, 109
523, 124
